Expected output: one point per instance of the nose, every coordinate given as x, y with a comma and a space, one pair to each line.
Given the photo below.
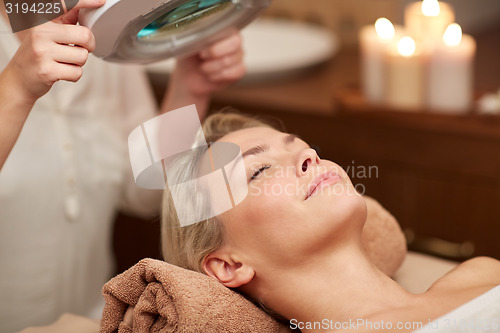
307, 158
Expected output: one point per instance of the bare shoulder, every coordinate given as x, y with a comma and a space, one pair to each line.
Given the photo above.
483, 261
464, 283
487, 267
473, 272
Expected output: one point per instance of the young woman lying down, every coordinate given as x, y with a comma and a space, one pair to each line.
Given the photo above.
299, 252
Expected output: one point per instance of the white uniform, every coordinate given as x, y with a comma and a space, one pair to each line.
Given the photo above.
60, 187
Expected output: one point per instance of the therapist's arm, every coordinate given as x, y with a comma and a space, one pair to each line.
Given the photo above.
56, 50
196, 77
14, 109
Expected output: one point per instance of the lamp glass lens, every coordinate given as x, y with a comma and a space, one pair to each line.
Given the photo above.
181, 16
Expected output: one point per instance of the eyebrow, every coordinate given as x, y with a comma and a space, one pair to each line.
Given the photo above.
287, 139
255, 150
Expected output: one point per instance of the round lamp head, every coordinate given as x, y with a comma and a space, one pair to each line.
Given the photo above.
144, 31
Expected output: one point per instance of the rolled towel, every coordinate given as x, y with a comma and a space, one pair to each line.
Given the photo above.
168, 298
384, 242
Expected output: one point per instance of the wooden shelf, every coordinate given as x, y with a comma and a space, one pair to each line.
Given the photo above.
350, 102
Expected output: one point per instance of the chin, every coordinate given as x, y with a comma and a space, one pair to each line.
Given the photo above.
339, 220
348, 210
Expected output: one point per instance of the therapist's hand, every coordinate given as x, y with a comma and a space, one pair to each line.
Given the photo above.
213, 68
53, 51
196, 77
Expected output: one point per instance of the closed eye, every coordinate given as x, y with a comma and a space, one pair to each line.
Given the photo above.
257, 172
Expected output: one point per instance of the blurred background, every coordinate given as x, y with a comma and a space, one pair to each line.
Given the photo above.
345, 18
438, 174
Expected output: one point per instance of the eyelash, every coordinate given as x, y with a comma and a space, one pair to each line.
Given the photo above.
258, 171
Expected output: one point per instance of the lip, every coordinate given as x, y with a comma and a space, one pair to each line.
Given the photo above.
325, 179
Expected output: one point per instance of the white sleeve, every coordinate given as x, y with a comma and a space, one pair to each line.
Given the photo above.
139, 106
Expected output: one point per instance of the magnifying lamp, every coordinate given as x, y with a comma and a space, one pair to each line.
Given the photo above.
144, 31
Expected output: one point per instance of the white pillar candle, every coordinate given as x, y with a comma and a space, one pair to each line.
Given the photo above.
450, 87
374, 42
405, 76
427, 20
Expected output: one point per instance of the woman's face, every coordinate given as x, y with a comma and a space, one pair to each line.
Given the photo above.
297, 204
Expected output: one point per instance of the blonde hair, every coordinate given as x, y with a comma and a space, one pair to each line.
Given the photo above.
187, 246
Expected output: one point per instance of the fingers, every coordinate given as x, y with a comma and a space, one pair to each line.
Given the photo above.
223, 61
71, 17
212, 69
51, 52
73, 55
53, 55
64, 34
75, 34
230, 74
219, 64
68, 72
229, 45
54, 42
49, 73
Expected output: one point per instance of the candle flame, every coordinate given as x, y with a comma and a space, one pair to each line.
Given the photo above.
384, 28
406, 46
453, 35
430, 7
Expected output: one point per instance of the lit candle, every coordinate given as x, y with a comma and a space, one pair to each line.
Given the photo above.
374, 41
426, 21
405, 76
451, 72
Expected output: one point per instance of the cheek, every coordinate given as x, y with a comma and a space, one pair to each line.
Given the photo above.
264, 217
277, 187
266, 205
274, 201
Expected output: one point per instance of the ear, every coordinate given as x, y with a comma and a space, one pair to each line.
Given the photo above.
228, 271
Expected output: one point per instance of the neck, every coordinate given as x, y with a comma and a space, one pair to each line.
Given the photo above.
340, 286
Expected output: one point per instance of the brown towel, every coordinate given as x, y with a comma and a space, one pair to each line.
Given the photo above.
168, 298
384, 241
